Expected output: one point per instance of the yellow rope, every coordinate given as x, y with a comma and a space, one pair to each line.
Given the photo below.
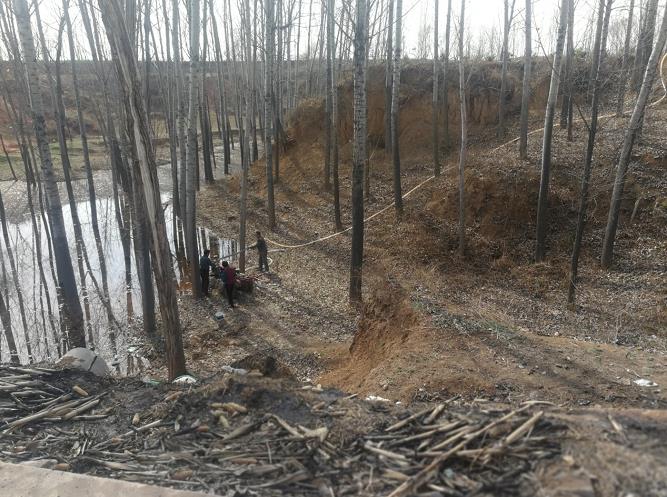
337, 233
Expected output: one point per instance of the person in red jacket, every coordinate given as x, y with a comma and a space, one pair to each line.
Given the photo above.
228, 275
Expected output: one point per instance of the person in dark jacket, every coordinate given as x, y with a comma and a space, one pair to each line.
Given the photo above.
228, 276
205, 266
262, 252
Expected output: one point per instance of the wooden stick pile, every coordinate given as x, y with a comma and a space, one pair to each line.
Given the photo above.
27, 397
228, 448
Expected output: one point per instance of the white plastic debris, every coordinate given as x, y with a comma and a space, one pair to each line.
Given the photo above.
376, 398
85, 360
219, 316
232, 370
185, 379
645, 383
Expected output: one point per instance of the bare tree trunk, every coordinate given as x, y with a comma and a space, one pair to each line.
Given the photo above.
508, 15
389, 76
548, 134
395, 111
644, 43
203, 104
566, 108
92, 196
623, 83
464, 134
179, 173
224, 120
8, 158
525, 92
269, 111
436, 73
445, 76
599, 51
628, 142
162, 267
358, 151
192, 163
15, 278
328, 126
6, 320
147, 58
329, 96
277, 92
332, 111
253, 78
72, 307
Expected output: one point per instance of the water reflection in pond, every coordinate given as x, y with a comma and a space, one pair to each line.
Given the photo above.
39, 331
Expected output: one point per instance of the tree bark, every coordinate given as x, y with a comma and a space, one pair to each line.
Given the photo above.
628, 142
136, 116
358, 151
623, 83
92, 196
179, 173
72, 307
464, 135
644, 43
436, 73
445, 77
191, 155
508, 14
395, 111
328, 125
566, 109
388, 76
269, 110
599, 51
525, 92
224, 120
548, 135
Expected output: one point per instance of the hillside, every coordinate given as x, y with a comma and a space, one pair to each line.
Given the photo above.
493, 323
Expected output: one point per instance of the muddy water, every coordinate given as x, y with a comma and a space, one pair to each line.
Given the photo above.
41, 335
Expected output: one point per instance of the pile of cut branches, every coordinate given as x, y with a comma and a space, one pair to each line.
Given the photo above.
208, 438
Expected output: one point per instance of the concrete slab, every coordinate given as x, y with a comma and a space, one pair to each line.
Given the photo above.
19, 480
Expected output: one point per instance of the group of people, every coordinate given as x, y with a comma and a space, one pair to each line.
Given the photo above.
226, 272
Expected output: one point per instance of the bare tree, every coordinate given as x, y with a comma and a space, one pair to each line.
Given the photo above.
525, 92
72, 306
445, 76
436, 73
464, 134
358, 150
178, 173
599, 51
395, 111
566, 109
388, 76
126, 69
623, 83
508, 17
628, 142
191, 160
269, 110
644, 43
548, 134
328, 128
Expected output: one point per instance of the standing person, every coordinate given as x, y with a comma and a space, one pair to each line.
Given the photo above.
262, 252
205, 266
228, 275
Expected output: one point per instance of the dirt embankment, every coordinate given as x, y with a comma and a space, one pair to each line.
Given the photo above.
494, 322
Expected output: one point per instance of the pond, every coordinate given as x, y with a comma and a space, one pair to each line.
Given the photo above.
38, 328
